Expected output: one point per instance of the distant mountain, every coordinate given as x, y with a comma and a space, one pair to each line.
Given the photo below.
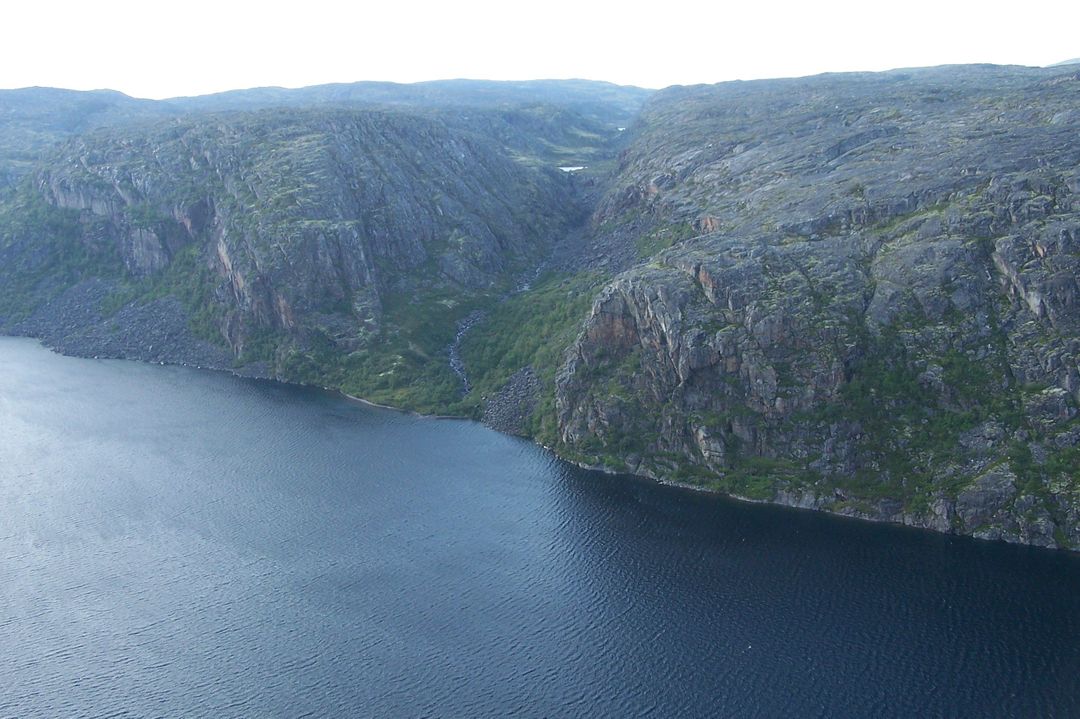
602, 101
1074, 61
32, 119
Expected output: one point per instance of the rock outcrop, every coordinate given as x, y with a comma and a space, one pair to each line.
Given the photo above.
869, 306
304, 221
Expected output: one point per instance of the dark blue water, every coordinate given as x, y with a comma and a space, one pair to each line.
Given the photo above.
185, 543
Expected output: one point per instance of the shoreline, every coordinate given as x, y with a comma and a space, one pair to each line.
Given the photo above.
369, 403
804, 501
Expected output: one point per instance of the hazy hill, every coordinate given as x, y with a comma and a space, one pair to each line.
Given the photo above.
31, 119
600, 101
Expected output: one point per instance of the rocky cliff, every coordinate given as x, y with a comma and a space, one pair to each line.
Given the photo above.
302, 214
869, 304
297, 238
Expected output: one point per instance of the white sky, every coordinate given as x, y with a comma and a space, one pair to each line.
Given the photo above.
157, 49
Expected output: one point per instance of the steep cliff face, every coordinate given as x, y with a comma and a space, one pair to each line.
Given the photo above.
308, 219
869, 307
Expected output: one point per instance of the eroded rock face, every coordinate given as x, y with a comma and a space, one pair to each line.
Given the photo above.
726, 348
985, 499
878, 319
305, 214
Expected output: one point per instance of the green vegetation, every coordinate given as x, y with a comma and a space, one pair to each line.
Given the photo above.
407, 365
910, 429
532, 329
660, 239
404, 365
142, 215
190, 279
44, 250
759, 477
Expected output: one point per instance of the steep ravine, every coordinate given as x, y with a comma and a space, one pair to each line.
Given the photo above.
454, 351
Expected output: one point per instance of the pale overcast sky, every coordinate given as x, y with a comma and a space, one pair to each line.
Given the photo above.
154, 49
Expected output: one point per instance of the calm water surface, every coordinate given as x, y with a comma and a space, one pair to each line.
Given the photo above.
185, 543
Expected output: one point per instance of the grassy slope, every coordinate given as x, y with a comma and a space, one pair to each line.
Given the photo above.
531, 329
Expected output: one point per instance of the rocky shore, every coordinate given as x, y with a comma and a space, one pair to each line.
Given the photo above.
509, 410
73, 324
157, 332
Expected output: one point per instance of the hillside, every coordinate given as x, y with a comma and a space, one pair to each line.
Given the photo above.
855, 293
335, 246
597, 101
868, 305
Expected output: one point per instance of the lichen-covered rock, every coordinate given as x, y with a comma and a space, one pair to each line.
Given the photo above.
983, 501
880, 316
302, 212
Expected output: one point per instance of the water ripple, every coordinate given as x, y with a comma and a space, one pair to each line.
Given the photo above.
180, 543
